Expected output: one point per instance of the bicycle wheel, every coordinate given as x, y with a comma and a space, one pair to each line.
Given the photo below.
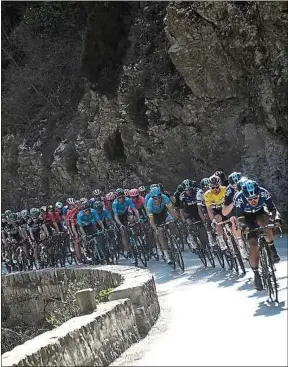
219, 255
141, 251
177, 253
238, 259
268, 273
202, 235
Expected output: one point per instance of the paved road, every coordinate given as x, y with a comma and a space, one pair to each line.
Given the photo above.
210, 317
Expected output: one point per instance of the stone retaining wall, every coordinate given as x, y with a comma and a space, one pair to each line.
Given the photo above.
91, 340
25, 294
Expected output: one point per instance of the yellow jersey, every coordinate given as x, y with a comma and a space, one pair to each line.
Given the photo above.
216, 200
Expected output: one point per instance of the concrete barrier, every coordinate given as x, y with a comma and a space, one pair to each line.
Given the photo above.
27, 293
96, 339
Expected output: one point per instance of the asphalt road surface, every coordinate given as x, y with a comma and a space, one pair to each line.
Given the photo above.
212, 317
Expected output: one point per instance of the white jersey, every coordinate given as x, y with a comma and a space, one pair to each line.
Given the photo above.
200, 198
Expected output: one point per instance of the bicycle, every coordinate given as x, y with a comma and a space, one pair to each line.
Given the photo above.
137, 244
174, 247
267, 266
98, 253
203, 249
110, 242
232, 254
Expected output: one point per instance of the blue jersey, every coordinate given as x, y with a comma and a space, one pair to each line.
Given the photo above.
105, 215
64, 210
242, 205
156, 209
85, 220
229, 195
147, 197
121, 209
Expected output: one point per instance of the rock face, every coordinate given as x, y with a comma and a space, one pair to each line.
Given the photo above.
131, 93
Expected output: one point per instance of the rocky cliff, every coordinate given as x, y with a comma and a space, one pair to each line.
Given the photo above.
107, 94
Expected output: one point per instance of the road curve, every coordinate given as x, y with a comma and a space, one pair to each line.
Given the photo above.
210, 317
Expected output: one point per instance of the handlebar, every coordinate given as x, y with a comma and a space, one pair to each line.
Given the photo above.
167, 223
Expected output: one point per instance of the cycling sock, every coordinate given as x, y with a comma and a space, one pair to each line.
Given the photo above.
255, 269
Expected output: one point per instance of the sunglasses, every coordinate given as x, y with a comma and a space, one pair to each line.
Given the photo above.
214, 187
121, 197
157, 197
255, 198
87, 210
135, 197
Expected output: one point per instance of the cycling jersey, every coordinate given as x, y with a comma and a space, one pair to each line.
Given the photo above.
215, 200
121, 209
35, 226
139, 202
12, 229
152, 208
85, 220
146, 199
186, 200
242, 205
71, 217
105, 215
200, 198
229, 195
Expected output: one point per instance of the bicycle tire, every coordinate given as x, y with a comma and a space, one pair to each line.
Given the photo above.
219, 254
141, 251
268, 275
203, 238
238, 259
177, 253
229, 258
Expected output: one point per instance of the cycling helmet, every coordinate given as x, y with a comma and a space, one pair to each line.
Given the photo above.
221, 175
8, 212
86, 205
155, 192
70, 201
92, 200
49, 207
98, 205
18, 214
189, 184
142, 189
83, 200
119, 192
205, 183
214, 181
133, 193
250, 189
153, 185
126, 192
34, 212
234, 177
110, 196
3, 218
97, 192
180, 188
24, 213
241, 182
59, 205
12, 216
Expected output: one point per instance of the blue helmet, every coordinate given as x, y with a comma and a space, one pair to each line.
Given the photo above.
241, 182
155, 192
250, 189
234, 177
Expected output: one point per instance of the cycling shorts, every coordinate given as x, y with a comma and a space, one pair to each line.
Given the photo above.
251, 221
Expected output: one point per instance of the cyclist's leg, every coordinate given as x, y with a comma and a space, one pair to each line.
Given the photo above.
250, 219
263, 220
219, 229
162, 218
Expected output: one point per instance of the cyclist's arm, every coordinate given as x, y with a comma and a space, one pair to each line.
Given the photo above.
100, 223
56, 227
201, 212
3, 237
31, 235
117, 219
227, 209
172, 210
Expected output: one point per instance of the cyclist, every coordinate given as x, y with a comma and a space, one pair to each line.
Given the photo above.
97, 194
189, 210
147, 197
109, 198
121, 213
103, 214
50, 219
87, 219
139, 202
177, 194
250, 206
71, 224
160, 210
214, 199
229, 210
60, 212
223, 178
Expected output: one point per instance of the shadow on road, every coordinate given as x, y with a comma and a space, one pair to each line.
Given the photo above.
270, 309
